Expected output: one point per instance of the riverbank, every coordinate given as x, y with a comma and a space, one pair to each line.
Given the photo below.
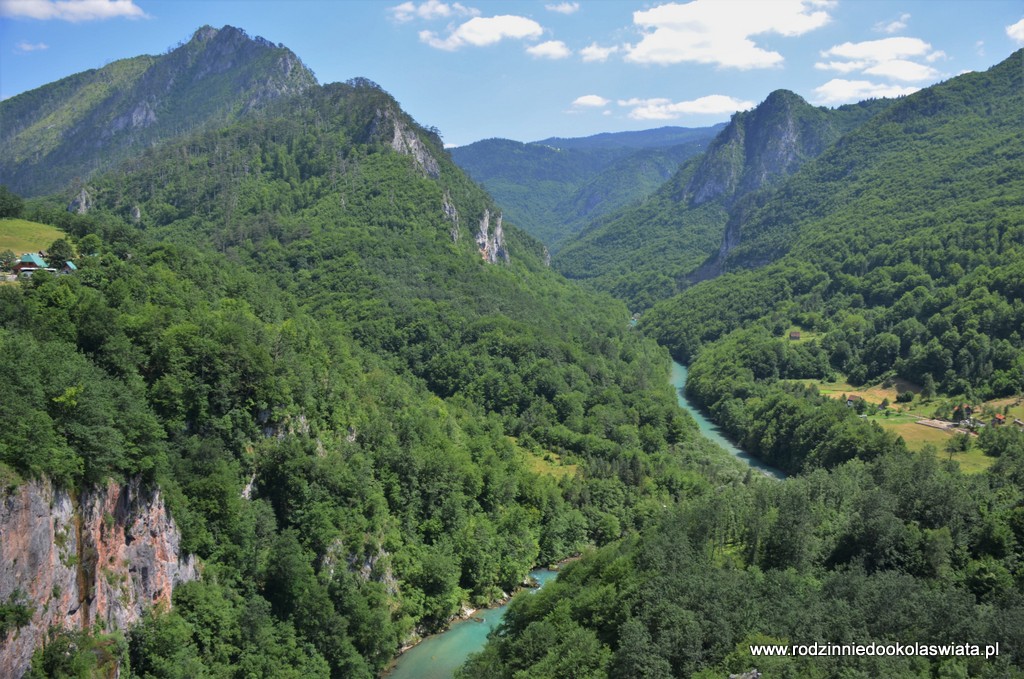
438, 656
677, 377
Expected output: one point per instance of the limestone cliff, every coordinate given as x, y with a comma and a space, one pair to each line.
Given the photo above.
104, 557
760, 146
389, 126
491, 244
451, 213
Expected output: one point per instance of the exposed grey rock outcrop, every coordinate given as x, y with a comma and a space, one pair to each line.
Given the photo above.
81, 204
389, 126
451, 214
103, 558
491, 244
757, 147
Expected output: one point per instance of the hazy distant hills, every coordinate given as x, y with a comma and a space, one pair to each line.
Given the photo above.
69, 129
553, 187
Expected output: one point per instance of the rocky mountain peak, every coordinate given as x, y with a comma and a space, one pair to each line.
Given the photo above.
107, 114
771, 141
205, 34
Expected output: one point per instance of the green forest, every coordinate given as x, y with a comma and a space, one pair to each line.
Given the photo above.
281, 317
898, 253
281, 304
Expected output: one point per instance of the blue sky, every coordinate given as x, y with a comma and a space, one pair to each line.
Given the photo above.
528, 70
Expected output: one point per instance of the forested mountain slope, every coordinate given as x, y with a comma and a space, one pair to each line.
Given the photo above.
903, 244
553, 187
898, 252
648, 252
366, 400
71, 128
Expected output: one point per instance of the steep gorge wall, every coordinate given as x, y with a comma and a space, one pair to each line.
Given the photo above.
104, 557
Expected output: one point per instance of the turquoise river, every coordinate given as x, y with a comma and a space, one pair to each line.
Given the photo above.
710, 430
438, 657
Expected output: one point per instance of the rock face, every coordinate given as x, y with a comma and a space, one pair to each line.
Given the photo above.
759, 149
770, 142
451, 214
105, 557
403, 139
81, 203
491, 245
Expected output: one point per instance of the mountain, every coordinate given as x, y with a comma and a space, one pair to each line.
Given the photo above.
897, 224
363, 397
70, 129
551, 188
647, 252
309, 342
767, 144
660, 137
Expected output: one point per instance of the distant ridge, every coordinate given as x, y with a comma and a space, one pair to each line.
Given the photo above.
553, 187
659, 137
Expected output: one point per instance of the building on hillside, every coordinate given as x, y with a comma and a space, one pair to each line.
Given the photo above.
69, 267
795, 335
28, 263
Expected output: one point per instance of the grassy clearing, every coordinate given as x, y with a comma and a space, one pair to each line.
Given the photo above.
805, 335
917, 436
546, 463
1016, 409
903, 418
972, 462
21, 235
872, 394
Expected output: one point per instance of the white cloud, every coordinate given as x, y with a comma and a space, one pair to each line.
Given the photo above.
894, 26
880, 50
480, 31
902, 69
24, 46
595, 52
564, 7
840, 91
665, 109
1016, 31
591, 100
552, 49
71, 10
429, 10
896, 59
842, 66
709, 32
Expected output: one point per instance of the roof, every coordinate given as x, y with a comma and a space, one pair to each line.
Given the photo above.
71, 265
32, 258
